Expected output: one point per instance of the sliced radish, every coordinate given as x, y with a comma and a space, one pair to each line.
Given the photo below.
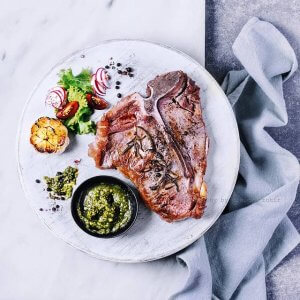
98, 74
61, 91
97, 93
101, 77
98, 87
57, 97
54, 99
104, 80
93, 83
100, 82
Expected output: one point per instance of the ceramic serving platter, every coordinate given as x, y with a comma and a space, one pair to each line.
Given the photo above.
149, 238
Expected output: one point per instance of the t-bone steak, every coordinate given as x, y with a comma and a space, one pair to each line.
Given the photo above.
159, 142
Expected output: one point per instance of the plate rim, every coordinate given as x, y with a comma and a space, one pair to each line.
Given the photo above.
236, 168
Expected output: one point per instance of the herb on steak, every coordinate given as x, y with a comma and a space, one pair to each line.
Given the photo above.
136, 142
167, 178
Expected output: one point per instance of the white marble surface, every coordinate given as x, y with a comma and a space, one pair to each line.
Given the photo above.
34, 35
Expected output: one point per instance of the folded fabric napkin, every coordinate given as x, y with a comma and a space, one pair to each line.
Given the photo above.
254, 234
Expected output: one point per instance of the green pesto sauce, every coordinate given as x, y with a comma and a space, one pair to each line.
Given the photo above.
61, 185
106, 209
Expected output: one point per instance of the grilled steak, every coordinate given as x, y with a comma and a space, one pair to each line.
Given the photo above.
160, 144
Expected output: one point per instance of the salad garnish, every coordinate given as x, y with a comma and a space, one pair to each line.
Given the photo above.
76, 97
79, 122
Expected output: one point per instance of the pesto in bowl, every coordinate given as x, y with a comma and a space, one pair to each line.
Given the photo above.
104, 206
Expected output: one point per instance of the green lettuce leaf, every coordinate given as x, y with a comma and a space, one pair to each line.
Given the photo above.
80, 123
75, 94
86, 127
82, 81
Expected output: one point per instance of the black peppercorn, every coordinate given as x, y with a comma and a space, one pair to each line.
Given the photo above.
119, 95
37, 181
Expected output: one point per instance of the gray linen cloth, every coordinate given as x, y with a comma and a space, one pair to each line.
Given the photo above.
254, 234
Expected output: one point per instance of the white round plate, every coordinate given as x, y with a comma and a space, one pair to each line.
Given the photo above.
149, 238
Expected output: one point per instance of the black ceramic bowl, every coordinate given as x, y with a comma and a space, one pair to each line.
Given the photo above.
80, 194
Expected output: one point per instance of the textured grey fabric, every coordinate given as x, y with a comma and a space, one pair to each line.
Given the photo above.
254, 234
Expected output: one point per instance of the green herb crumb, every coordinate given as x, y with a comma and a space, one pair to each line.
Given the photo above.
61, 186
